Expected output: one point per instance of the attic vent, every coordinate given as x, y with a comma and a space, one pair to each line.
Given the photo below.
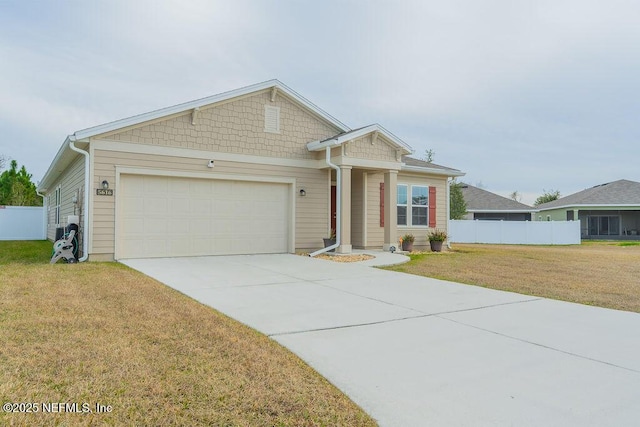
271, 119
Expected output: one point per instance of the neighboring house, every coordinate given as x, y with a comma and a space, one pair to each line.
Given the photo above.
485, 205
248, 171
606, 211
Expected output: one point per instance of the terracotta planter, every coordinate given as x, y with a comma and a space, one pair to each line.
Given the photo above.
407, 246
436, 246
329, 242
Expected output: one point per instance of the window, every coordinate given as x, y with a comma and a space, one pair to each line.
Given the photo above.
604, 225
419, 205
413, 211
57, 206
402, 205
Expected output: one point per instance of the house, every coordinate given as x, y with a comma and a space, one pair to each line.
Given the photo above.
259, 169
485, 205
606, 211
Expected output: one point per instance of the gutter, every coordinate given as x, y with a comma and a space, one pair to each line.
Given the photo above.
447, 172
338, 195
85, 201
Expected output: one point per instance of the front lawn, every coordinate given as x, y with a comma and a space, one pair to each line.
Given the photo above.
101, 333
606, 274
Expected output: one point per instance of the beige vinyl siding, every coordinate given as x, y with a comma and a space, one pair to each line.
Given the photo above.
357, 208
71, 183
236, 126
312, 211
375, 233
363, 148
440, 183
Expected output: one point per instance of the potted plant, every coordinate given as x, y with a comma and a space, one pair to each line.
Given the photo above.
331, 240
407, 242
436, 238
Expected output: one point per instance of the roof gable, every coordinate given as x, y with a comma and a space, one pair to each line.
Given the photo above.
616, 193
275, 85
351, 135
65, 155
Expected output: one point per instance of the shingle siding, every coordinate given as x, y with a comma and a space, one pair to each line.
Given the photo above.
235, 127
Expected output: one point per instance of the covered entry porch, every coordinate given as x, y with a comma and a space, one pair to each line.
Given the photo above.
368, 214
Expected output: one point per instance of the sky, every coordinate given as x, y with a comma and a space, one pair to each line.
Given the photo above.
520, 95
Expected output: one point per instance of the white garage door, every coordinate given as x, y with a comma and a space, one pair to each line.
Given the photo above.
167, 216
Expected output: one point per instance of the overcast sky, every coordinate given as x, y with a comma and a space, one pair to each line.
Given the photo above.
520, 95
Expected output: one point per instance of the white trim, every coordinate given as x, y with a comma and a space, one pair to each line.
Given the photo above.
410, 199
182, 174
365, 163
445, 172
365, 208
88, 192
127, 147
291, 182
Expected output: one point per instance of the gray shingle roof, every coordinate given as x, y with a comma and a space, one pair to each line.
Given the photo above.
621, 192
410, 161
482, 200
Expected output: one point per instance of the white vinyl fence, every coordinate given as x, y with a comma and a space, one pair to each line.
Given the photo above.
515, 232
22, 223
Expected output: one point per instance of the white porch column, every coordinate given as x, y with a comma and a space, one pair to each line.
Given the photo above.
345, 211
390, 211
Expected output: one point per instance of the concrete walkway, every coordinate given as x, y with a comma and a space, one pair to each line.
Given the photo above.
414, 351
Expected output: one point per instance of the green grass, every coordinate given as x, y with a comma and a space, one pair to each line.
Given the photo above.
104, 333
25, 252
601, 273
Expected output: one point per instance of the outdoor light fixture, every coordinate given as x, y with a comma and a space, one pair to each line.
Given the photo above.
210, 164
105, 185
302, 192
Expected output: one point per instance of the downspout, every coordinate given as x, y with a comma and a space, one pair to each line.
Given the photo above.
338, 195
85, 208
46, 216
449, 182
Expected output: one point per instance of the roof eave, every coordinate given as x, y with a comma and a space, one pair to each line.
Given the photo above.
44, 182
502, 210
592, 205
434, 171
321, 145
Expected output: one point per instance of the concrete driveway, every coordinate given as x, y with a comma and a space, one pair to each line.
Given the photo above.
413, 351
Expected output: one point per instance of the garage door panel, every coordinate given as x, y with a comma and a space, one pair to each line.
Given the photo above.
166, 216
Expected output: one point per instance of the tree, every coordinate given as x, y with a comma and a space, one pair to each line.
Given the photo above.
16, 188
547, 196
429, 154
457, 204
515, 196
